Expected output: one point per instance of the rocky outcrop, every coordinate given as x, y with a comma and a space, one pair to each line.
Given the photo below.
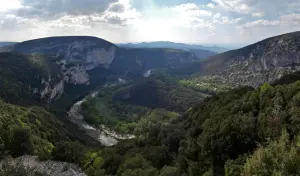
75, 57
30, 165
50, 92
147, 73
253, 65
82, 56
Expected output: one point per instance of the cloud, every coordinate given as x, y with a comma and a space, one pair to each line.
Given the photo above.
117, 7
290, 22
219, 19
213, 21
239, 6
9, 5
258, 14
191, 9
105, 11
53, 8
210, 5
120, 13
259, 23
33, 20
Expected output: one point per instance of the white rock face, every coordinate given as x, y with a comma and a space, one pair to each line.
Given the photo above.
82, 56
101, 56
76, 75
57, 90
31, 164
75, 60
147, 73
53, 92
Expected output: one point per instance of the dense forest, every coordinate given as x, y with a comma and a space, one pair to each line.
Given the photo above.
241, 132
123, 106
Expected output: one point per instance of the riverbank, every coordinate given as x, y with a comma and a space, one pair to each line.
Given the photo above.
104, 135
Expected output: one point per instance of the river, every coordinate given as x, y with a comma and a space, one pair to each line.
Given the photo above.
102, 134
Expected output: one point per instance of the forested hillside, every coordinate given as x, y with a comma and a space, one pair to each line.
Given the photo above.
22, 77
122, 106
35, 131
242, 132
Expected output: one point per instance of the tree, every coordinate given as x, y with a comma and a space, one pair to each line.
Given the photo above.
169, 171
136, 165
69, 151
280, 157
20, 142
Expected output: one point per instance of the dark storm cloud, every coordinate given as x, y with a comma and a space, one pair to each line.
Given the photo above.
53, 8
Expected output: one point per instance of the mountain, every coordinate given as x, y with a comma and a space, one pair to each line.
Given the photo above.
255, 64
182, 46
6, 43
67, 68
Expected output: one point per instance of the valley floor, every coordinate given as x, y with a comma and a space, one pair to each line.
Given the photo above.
101, 133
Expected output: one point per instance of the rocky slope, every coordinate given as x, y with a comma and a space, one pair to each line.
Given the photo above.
255, 64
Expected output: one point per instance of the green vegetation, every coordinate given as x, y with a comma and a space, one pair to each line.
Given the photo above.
21, 73
241, 132
280, 157
125, 107
206, 84
34, 131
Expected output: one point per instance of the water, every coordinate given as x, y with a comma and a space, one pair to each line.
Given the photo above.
102, 134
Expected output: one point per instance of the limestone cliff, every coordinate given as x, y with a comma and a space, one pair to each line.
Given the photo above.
75, 56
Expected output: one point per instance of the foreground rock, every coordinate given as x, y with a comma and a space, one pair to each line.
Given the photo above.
31, 166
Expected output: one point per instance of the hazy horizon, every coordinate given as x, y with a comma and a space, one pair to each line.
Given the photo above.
205, 22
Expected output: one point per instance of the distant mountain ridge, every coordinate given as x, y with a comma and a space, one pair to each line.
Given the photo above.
166, 44
6, 43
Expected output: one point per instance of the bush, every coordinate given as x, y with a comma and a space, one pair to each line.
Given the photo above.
280, 157
20, 142
169, 171
69, 151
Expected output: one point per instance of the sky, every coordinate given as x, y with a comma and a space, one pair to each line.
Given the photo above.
210, 22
